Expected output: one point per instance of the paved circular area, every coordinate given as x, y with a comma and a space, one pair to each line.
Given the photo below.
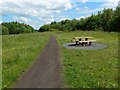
94, 46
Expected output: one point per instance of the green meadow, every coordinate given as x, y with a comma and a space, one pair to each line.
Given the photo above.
0, 61
81, 68
90, 68
18, 53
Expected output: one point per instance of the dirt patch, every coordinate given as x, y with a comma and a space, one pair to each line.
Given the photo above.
93, 46
46, 71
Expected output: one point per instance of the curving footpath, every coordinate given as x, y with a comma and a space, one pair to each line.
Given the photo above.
46, 71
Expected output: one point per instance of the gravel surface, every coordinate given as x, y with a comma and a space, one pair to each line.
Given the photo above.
46, 71
94, 46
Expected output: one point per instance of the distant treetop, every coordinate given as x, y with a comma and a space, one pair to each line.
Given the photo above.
16, 28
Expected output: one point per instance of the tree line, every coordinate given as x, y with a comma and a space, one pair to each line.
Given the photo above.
15, 28
106, 20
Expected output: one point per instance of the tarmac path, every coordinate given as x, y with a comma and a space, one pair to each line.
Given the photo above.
46, 71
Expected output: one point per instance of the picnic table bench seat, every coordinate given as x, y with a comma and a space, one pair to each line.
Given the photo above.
83, 40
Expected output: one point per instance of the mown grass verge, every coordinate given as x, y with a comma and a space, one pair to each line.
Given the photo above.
18, 53
90, 68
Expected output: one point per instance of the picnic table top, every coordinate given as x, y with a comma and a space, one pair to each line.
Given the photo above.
81, 37
84, 41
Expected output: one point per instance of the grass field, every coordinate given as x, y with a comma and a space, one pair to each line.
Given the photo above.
81, 68
90, 68
18, 53
0, 62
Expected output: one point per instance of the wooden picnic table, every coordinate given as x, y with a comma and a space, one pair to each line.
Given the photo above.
83, 40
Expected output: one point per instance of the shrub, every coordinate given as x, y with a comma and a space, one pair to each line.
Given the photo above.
5, 30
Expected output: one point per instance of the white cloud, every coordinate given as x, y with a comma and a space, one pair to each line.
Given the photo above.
47, 20
64, 19
44, 11
68, 5
22, 19
35, 24
119, 3
90, 11
108, 4
1, 22
84, 10
83, 1
77, 9
58, 11
83, 16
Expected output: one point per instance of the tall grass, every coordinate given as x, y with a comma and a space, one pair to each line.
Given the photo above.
90, 68
81, 68
0, 61
18, 53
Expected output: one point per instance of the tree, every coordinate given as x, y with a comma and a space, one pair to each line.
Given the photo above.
106, 20
115, 23
44, 28
119, 4
5, 30
16, 27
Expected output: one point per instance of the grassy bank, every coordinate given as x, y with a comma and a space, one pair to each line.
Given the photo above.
18, 53
90, 68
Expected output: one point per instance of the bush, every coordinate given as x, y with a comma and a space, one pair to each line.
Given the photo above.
5, 30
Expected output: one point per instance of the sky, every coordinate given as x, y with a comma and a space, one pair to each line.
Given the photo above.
39, 12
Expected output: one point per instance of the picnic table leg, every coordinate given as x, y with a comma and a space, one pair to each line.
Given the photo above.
86, 43
90, 43
77, 42
82, 43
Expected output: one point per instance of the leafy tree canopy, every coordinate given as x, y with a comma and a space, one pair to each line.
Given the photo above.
106, 20
16, 28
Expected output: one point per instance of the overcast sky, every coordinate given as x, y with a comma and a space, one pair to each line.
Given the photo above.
39, 12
